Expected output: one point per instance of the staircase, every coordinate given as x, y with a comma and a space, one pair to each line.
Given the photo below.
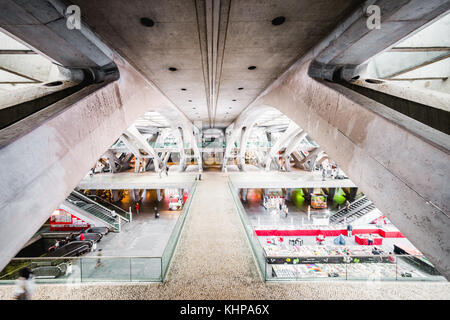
89, 206
357, 209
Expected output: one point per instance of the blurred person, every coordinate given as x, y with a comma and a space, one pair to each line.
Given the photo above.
25, 285
349, 230
99, 262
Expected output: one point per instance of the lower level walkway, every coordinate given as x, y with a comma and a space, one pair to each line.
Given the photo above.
213, 260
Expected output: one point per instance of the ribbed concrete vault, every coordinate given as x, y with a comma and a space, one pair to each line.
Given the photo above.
400, 163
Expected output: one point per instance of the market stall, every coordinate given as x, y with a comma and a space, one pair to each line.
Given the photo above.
363, 239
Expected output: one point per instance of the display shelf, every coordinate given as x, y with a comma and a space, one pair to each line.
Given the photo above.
387, 271
363, 239
283, 254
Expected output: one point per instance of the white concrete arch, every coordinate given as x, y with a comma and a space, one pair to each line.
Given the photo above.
247, 119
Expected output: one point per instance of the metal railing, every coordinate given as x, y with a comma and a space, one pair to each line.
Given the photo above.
96, 209
349, 267
86, 269
295, 267
125, 215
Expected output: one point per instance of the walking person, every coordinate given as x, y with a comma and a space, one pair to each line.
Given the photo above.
167, 170
137, 207
347, 205
25, 285
349, 230
99, 262
156, 213
370, 240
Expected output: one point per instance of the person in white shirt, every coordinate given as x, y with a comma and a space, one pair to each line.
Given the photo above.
25, 285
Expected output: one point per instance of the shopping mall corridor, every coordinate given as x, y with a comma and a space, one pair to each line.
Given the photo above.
213, 260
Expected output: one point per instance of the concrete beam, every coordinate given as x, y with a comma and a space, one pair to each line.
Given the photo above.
352, 43
43, 26
281, 143
137, 136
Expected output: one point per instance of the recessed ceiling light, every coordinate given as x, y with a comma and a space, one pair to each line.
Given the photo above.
252, 68
189, 100
53, 84
173, 69
147, 22
234, 100
183, 89
278, 20
240, 88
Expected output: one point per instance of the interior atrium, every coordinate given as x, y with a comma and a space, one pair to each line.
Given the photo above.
225, 149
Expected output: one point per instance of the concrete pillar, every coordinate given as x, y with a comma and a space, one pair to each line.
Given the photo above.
132, 194
331, 193
292, 146
244, 194
288, 194
282, 142
352, 195
158, 194
115, 195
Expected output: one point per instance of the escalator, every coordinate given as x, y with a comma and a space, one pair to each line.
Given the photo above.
357, 209
92, 209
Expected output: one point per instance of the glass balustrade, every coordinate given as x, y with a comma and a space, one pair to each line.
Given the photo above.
100, 269
370, 268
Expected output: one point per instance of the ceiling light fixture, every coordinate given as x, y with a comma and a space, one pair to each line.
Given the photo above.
173, 69
252, 68
183, 89
147, 22
278, 20
53, 84
240, 88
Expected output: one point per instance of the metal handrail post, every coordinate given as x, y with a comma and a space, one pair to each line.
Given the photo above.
130, 269
396, 269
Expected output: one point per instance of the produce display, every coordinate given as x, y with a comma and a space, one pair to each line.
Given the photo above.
354, 271
318, 201
313, 250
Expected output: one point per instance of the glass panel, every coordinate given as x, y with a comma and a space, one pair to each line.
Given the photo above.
173, 240
145, 269
258, 251
371, 268
106, 269
61, 270
413, 268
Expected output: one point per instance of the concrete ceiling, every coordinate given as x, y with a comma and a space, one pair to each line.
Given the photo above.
212, 43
